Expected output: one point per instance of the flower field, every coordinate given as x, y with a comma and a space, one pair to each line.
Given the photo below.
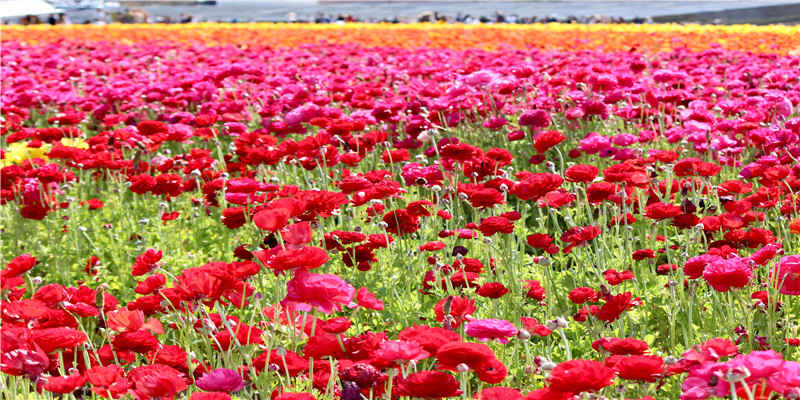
295, 212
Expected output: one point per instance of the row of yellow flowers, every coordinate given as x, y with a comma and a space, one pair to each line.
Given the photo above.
570, 37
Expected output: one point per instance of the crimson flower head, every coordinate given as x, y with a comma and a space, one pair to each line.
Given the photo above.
459, 308
578, 376
146, 262
428, 385
640, 368
19, 265
615, 306
579, 236
547, 140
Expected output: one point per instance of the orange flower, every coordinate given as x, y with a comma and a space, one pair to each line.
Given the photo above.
794, 226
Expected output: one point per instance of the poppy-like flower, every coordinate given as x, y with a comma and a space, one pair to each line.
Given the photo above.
64, 384
431, 338
499, 393
491, 225
399, 350
221, 380
327, 292
659, 211
459, 309
614, 277
222, 396
786, 275
19, 265
146, 262
428, 385
547, 140
615, 306
640, 368
578, 376
156, 381
581, 173
366, 299
723, 275
492, 290
579, 236
491, 329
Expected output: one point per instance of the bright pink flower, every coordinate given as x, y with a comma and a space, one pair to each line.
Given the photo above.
722, 275
221, 380
786, 275
489, 329
327, 292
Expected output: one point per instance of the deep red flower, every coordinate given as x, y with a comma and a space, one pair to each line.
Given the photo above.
491, 225
19, 265
640, 368
577, 376
428, 385
459, 308
579, 236
614, 307
492, 290
431, 338
146, 262
581, 173
547, 140
64, 384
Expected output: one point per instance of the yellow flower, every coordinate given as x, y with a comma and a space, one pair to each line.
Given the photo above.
18, 152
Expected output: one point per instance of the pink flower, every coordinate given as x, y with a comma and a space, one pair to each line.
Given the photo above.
787, 277
722, 275
221, 380
324, 291
488, 329
393, 350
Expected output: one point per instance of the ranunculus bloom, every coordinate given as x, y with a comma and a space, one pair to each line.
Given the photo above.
722, 275
577, 376
221, 380
327, 292
428, 385
786, 275
640, 368
488, 329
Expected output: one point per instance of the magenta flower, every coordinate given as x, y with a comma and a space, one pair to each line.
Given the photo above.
787, 277
722, 275
221, 380
488, 329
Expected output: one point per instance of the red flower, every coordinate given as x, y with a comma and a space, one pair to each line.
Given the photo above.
547, 140
615, 306
534, 186
431, 338
491, 225
368, 300
577, 376
499, 393
459, 308
492, 290
579, 236
535, 290
19, 265
661, 211
156, 381
581, 295
722, 274
401, 222
64, 384
581, 173
146, 262
621, 347
640, 368
614, 278
428, 385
